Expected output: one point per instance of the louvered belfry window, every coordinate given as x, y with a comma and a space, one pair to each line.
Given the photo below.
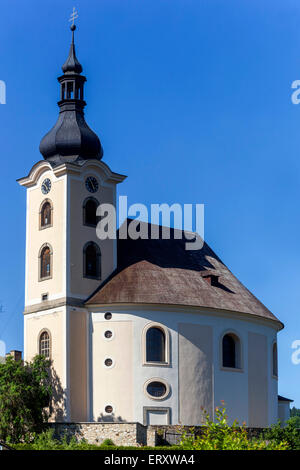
90, 212
46, 215
92, 261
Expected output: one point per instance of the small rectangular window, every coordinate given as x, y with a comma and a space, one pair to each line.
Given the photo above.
44, 297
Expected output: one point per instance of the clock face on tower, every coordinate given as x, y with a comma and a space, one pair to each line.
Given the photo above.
46, 186
91, 184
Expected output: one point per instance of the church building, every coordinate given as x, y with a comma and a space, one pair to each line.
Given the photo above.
137, 330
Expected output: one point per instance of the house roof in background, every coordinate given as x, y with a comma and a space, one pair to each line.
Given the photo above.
281, 398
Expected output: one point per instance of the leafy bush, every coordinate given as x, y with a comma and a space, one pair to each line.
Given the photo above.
107, 442
45, 440
290, 434
220, 436
25, 391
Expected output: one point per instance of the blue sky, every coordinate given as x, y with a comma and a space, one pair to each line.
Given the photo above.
192, 100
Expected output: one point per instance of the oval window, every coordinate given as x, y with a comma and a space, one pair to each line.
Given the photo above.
156, 389
108, 409
108, 362
108, 334
107, 316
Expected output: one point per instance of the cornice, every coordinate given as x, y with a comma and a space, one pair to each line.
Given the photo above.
278, 325
50, 304
34, 174
69, 168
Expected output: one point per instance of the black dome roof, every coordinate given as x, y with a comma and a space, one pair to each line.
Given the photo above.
71, 138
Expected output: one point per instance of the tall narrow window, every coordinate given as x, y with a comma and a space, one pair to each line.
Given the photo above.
44, 344
230, 351
90, 211
275, 361
92, 261
45, 262
46, 215
155, 345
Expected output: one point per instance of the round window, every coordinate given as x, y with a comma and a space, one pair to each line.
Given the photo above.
107, 316
156, 389
108, 334
108, 362
108, 409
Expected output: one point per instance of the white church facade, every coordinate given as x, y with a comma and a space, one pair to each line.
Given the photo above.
137, 330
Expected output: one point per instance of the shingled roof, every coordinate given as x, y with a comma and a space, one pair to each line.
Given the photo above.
164, 272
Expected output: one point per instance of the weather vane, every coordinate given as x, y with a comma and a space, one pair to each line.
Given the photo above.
73, 17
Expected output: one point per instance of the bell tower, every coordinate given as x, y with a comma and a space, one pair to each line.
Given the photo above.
65, 260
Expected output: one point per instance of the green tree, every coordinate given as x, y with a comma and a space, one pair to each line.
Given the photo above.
295, 412
25, 392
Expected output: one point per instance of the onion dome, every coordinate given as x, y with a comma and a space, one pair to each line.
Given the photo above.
71, 139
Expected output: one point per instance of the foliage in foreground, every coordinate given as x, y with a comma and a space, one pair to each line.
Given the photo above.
220, 436
24, 393
290, 434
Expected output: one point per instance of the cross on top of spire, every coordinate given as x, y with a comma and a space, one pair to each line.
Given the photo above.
73, 17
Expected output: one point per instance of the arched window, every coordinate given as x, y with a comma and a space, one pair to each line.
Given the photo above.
45, 262
92, 261
155, 345
46, 214
231, 351
44, 344
90, 212
275, 360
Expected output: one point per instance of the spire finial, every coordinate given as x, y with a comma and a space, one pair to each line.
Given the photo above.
73, 17
72, 65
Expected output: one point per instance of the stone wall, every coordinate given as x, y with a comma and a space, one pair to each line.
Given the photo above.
130, 434
122, 434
